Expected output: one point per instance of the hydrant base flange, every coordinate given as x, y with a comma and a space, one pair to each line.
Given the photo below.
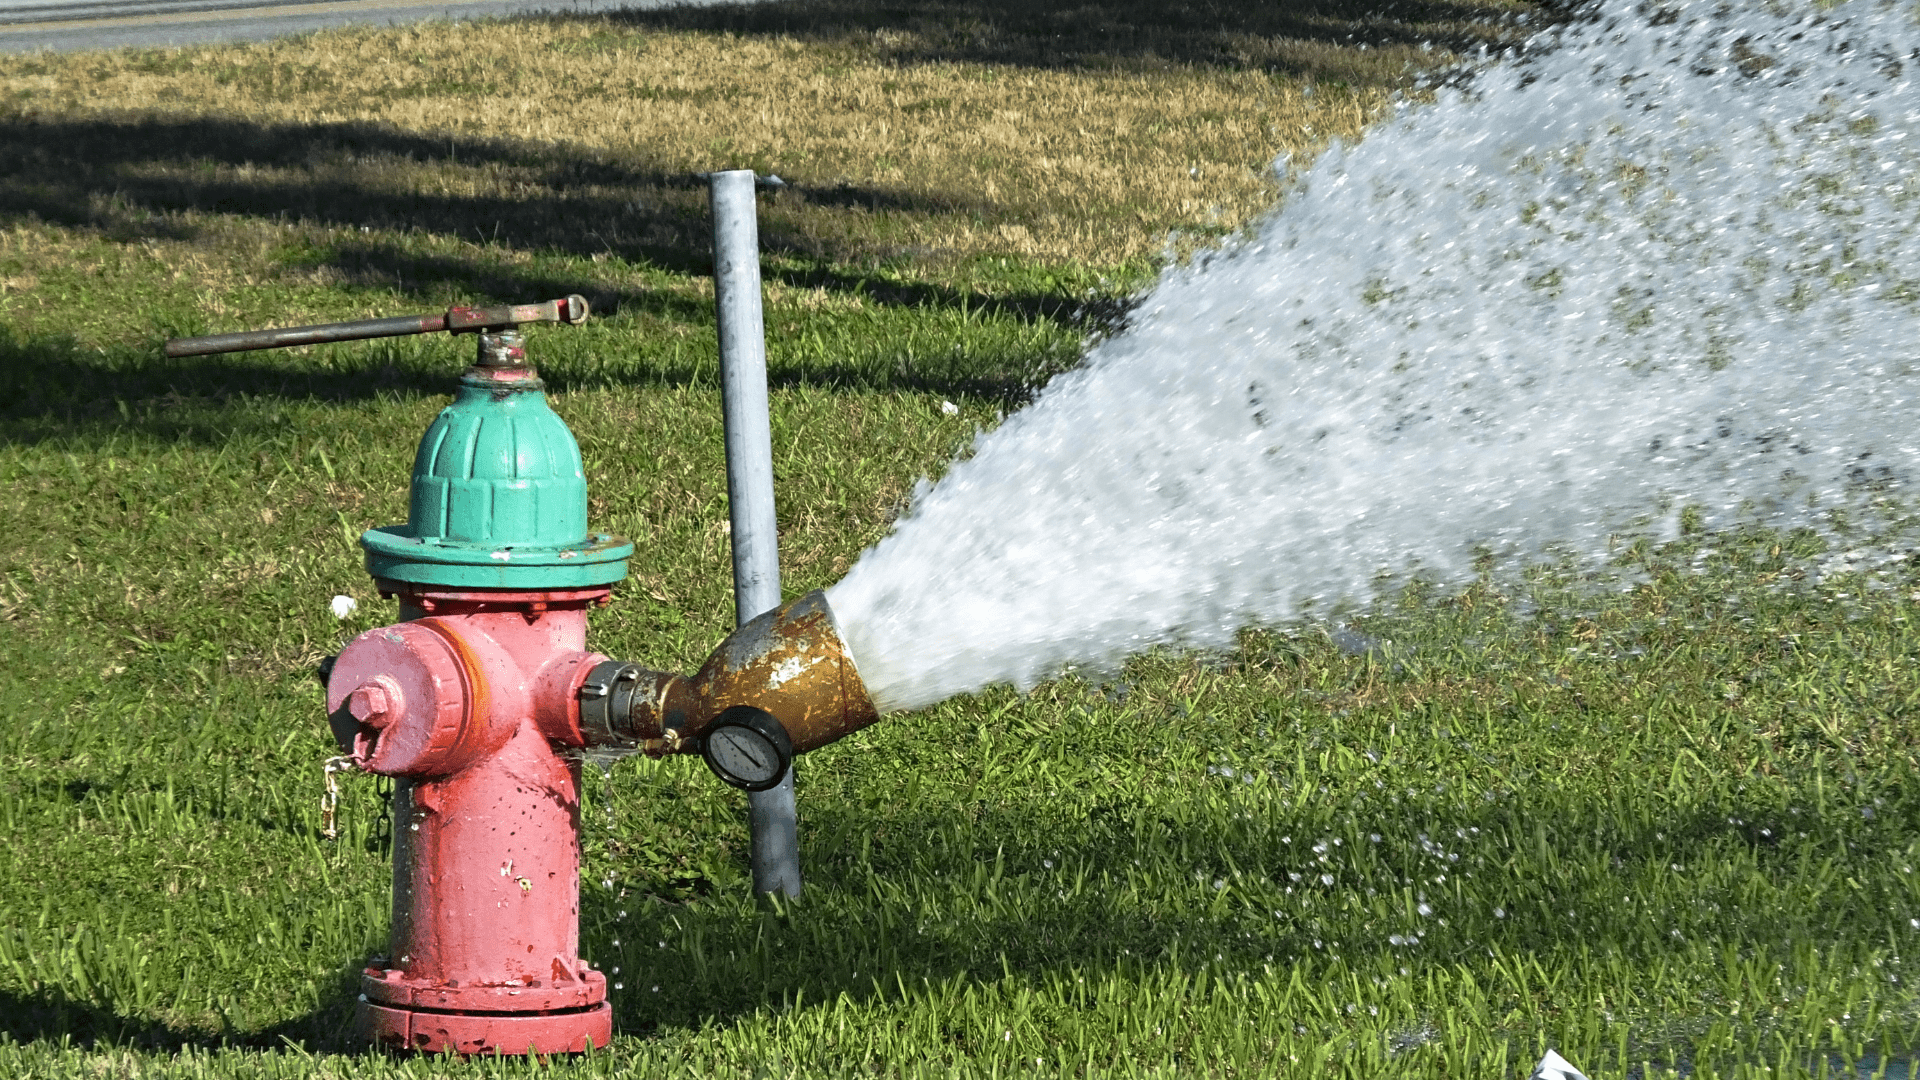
480, 1033
583, 989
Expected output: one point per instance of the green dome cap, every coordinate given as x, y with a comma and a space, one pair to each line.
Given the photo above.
499, 498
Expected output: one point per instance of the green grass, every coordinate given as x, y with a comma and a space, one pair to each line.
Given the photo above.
1673, 825
1666, 829
1670, 825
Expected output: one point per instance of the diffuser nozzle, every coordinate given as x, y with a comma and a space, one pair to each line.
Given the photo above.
790, 663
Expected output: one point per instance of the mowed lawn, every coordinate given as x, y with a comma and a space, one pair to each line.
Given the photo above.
1667, 830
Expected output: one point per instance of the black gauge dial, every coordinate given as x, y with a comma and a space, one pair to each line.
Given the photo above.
747, 748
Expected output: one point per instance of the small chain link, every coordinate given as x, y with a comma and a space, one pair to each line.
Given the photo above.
383, 825
330, 799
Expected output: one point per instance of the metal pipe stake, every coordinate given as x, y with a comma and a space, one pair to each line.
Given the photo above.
756, 534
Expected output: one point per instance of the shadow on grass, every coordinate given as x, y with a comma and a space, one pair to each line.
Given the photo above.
55, 1018
1359, 42
52, 1017
148, 179
127, 178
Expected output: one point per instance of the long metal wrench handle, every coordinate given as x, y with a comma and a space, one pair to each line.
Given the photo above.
458, 320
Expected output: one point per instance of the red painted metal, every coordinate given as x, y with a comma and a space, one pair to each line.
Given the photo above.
470, 702
480, 1033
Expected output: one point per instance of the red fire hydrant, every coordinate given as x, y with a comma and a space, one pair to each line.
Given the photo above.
468, 703
477, 699
472, 700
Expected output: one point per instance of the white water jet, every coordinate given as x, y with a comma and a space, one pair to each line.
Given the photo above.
1668, 260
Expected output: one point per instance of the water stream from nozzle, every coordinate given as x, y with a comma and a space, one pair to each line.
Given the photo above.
1669, 259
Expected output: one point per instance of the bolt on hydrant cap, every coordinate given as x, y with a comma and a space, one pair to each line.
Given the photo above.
374, 702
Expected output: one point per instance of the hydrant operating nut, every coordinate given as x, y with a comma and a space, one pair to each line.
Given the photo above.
373, 703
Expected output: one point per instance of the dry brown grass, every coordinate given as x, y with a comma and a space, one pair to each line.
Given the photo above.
583, 136
1358, 42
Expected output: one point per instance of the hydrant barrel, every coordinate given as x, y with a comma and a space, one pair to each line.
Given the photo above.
481, 696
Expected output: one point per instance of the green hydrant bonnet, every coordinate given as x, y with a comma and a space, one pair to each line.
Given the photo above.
498, 500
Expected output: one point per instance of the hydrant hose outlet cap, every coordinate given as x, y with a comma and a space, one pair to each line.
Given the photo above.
398, 700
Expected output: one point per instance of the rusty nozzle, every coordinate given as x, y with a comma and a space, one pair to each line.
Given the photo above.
790, 663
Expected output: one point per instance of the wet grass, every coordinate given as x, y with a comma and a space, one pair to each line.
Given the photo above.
1670, 827
1667, 829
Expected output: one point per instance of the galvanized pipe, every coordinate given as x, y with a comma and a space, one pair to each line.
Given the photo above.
756, 536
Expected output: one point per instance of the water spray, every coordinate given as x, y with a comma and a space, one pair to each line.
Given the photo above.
1667, 262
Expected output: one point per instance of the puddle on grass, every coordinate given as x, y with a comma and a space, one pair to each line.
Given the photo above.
1904, 1067
1869, 1068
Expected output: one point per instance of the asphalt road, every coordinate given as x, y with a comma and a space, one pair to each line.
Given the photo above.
72, 25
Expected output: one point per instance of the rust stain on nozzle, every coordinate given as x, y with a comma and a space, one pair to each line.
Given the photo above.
790, 662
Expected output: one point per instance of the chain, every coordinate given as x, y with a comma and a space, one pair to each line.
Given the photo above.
330, 799
383, 825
